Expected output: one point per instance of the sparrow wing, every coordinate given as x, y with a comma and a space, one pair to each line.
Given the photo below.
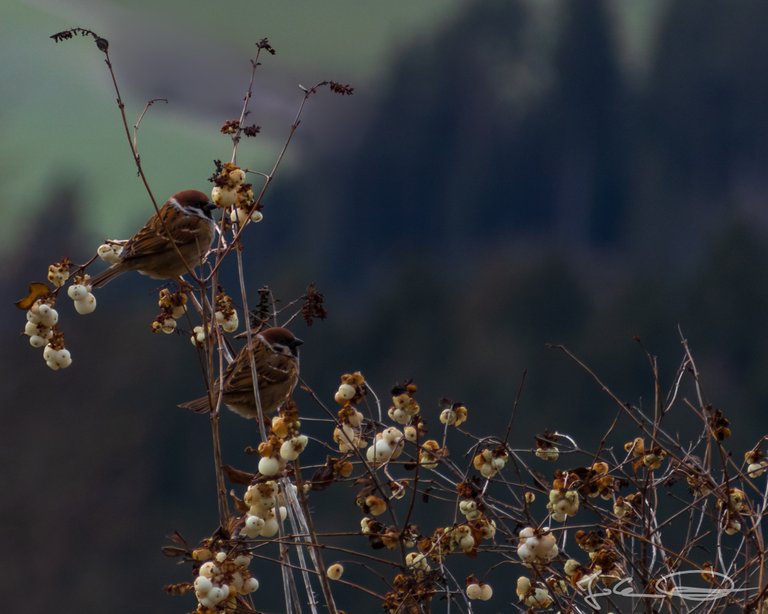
271, 369
152, 238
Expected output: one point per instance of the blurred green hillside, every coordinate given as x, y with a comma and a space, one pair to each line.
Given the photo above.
508, 174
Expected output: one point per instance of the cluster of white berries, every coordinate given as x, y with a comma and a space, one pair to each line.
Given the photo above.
404, 405
738, 503
585, 578
58, 272
40, 328
536, 546
226, 315
232, 191
417, 562
479, 590
389, 537
348, 435
387, 445
621, 507
198, 336
489, 462
228, 322
533, 596
57, 358
173, 305
756, 463
81, 295
463, 536
430, 453
563, 503
291, 448
371, 504
284, 444
110, 251
345, 393
454, 415
221, 578
261, 519
468, 507
548, 454
41, 318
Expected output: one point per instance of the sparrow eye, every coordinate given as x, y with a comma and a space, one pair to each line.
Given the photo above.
284, 349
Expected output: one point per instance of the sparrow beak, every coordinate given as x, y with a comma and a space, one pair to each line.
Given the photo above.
209, 207
294, 345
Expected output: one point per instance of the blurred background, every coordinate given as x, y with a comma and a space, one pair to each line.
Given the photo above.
508, 174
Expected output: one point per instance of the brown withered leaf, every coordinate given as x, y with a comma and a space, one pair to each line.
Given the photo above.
240, 505
323, 477
238, 476
313, 306
37, 290
178, 547
232, 525
173, 551
178, 589
264, 44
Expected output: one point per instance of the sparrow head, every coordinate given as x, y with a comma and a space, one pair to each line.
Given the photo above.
193, 202
281, 341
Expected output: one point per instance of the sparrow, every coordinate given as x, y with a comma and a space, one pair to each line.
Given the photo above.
276, 356
187, 217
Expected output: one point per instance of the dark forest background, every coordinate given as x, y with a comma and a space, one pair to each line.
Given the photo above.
513, 181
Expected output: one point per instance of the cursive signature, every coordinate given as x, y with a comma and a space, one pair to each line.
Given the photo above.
687, 593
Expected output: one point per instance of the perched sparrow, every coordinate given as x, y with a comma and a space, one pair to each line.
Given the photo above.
276, 355
188, 220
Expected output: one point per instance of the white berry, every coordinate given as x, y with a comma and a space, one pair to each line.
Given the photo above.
86, 305
202, 585
208, 569
237, 176
270, 528
230, 325
216, 595
206, 601
36, 341
254, 523
347, 391
269, 466
223, 197
335, 571
251, 585
77, 292
109, 253
49, 317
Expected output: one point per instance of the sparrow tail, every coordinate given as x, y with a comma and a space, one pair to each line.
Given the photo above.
199, 406
103, 278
